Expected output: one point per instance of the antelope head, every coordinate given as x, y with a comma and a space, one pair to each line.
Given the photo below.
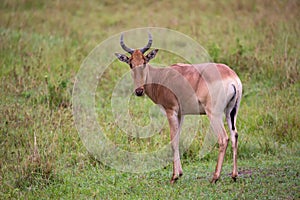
138, 63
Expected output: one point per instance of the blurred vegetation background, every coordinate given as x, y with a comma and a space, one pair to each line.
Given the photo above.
42, 45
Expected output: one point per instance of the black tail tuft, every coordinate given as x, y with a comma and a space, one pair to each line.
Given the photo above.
234, 92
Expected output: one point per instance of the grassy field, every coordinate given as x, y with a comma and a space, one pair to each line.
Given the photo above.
42, 45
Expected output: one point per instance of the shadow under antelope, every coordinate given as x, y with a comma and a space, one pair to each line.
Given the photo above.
181, 89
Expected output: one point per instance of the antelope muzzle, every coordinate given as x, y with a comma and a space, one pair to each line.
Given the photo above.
139, 91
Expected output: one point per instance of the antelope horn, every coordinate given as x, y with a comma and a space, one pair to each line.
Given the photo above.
143, 50
127, 49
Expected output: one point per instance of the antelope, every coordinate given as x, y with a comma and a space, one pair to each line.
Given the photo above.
181, 89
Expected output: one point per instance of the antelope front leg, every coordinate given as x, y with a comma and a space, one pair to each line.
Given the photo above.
175, 122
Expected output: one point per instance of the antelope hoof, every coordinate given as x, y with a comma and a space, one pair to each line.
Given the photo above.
214, 179
234, 177
175, 178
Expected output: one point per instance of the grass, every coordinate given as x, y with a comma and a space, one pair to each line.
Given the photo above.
42, 45
268, 179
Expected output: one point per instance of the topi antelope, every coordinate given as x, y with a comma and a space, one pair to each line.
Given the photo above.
181, 89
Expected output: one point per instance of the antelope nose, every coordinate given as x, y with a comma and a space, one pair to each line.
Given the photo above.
139, 91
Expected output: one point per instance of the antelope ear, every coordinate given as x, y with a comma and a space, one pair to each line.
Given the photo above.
122, 57
151, 54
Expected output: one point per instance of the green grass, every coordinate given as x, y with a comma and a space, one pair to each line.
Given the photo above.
42, 45
265, 179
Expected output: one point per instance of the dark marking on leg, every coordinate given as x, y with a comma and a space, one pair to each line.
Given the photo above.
232, 115
233, 111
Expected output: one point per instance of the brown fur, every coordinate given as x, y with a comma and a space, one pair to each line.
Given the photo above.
209, 88
137, 58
